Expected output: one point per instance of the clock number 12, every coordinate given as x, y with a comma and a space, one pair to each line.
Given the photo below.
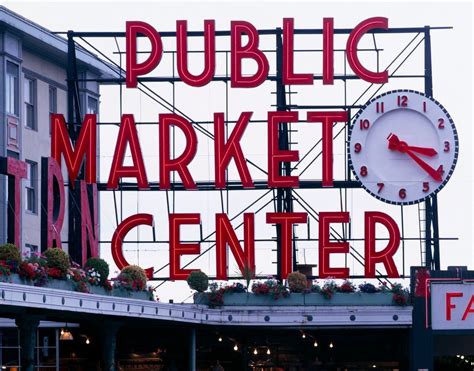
402, 101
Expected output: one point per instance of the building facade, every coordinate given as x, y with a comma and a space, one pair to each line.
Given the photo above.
33, 78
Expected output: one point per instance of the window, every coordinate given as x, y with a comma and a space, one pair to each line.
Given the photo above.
30, 99
31, 250
11, 86
32, 186
92, 105
53, 99
53, 103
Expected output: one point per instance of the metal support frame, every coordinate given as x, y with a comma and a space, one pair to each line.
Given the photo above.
283, 198
74, 124
432, 258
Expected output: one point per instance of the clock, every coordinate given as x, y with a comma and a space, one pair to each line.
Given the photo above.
403, 147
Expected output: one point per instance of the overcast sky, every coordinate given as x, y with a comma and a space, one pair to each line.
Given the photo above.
452, 80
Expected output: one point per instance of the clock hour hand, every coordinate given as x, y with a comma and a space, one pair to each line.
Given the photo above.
397, 145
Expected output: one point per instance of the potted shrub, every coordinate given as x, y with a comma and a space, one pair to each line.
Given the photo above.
10, 259
57, 267
297, 282
199, 281
97, 273
132, 282
57, 262
32, 270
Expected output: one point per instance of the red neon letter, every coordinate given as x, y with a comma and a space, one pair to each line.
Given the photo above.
127, 135
469, 308
449, 306
179, 164
209, 54
326, 247
385, 256
117, 240
225, 235
52, 215
89, 222
351, 49
135, 69
327, 118
275, 155
16, 171
224, 152
285, 221
250, 51
85, 146
177, 248
328, 51
289, 77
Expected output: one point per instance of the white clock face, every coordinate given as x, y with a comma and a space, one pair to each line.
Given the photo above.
403, 147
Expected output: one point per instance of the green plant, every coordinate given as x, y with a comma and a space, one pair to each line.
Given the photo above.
297, 282
10, 253
132, 277
328, 289
198, 281
57, 262
248, 274
97, 268
400, 295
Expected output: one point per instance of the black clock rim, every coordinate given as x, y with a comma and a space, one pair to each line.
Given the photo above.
451, 170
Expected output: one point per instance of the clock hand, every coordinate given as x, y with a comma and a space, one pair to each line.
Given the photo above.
431, 172
394, 143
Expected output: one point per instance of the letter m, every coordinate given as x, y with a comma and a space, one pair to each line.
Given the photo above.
85, 147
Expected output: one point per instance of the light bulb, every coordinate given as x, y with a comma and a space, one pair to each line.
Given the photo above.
303, 335
220, 339
236, 348
268, 351
315, 344
62, 331
462, 357
331, 345
255, 351
88, 341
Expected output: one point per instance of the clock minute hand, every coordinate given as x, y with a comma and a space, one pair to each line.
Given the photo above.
431, 172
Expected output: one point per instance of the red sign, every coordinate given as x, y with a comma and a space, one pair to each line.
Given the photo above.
83, 155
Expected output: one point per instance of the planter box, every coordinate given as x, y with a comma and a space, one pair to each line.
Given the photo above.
15, 278
294, 299
99, 290
350, 299
70, 286
124, 293
60, 284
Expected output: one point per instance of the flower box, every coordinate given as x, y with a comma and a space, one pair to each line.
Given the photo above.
125, 293
69, 285
349, 299
99, 290
297, 299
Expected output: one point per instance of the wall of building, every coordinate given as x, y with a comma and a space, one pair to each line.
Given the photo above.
34, 143
37, 143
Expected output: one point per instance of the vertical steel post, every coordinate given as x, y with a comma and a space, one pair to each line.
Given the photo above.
284, 197
74, 123
192, 350
431, 227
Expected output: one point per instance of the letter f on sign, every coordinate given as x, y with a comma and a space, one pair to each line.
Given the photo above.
449, 305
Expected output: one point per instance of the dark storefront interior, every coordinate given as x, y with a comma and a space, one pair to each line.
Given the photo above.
167, 348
